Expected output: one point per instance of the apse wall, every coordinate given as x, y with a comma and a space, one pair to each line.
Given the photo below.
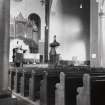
26, 7
71, 25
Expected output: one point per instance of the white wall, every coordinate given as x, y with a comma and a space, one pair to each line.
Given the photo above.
69, 31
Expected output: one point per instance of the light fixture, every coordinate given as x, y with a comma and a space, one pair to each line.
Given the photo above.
25, 35
81, 5
47, 27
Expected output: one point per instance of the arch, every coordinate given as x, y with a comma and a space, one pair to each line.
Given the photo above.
33, 17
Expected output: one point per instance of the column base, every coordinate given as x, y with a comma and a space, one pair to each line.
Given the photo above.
8, 101
6, 94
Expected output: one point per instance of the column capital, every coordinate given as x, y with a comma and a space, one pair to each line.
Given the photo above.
102, 13
100, 1
101, 5
97, 1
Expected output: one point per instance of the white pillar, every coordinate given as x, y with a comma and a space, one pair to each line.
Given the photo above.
102, 38
94, 58
101, 33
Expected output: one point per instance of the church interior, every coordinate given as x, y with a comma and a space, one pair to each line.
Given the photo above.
52, 52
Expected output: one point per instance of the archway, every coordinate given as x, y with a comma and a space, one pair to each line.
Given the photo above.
34, 22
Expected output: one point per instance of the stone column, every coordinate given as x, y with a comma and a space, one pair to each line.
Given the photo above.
94, 58
101, 33
102, 38
4, 45
46, 31
97, 33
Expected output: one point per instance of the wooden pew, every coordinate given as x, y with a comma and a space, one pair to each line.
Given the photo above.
93, 90
9, 80
72, 82
47, 88
83, 98
66, 90
34, 84
97, 88
60, 91
17, 80
24, 89
44, 80
73, 79
11, 75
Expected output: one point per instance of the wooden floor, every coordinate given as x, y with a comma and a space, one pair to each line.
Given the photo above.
24, 100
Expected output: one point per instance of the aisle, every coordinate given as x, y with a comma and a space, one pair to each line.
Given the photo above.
24, 100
